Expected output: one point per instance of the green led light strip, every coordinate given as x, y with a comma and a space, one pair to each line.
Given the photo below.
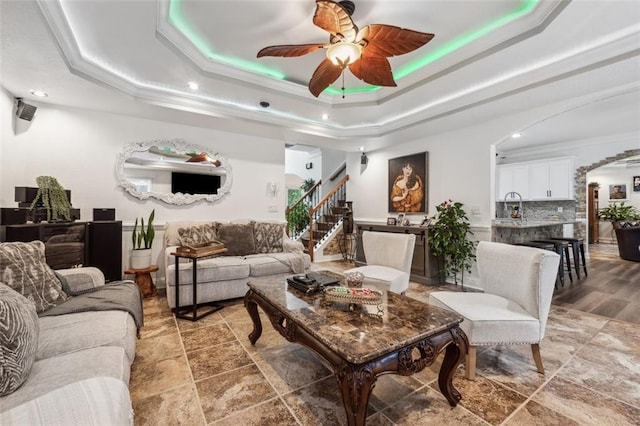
177, 19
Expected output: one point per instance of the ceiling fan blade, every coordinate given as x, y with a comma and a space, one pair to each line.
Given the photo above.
290, 50
323, 76
374, 70
388, 40
335, 19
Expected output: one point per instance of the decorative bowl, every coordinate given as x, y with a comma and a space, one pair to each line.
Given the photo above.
354, 279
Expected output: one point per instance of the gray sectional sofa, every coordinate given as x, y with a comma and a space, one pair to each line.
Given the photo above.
62, 361
256, 249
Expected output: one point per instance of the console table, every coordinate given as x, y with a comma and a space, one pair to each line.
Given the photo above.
424, 267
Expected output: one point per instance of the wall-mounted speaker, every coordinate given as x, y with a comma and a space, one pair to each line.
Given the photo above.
363, 159
25, 111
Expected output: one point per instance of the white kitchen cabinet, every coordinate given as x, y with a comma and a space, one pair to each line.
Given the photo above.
550, 180
536, 180
512, 178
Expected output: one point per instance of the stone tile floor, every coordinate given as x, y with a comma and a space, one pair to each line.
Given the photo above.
208, 373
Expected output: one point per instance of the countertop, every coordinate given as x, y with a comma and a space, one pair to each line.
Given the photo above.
507, 223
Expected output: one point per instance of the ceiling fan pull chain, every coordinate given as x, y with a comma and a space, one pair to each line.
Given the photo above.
343, 83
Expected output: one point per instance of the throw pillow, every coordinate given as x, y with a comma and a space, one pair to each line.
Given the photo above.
268, 237
23, 268
237, 238
19, 332
197, 234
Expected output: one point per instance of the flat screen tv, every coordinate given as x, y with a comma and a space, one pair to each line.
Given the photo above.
189, 183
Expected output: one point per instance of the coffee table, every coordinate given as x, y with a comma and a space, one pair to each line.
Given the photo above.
360, 342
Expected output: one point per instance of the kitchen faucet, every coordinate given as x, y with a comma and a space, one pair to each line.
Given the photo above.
514, 194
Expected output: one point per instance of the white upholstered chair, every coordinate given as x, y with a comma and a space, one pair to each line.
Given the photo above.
518, 284
388, 258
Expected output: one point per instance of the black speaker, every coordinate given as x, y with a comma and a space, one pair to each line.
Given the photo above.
363, 159
104, 214
13, 216
25, 111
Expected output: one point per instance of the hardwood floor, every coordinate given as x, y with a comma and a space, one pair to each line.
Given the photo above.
612, 288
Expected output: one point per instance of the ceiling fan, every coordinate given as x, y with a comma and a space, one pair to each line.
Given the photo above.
364, 51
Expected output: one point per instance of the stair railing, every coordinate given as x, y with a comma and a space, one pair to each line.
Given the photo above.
316, 212
297, 214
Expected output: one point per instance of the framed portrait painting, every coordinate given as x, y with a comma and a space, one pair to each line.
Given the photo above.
617, 192
636, 184
408, 183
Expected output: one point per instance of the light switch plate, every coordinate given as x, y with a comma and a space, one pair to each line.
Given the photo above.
559, 209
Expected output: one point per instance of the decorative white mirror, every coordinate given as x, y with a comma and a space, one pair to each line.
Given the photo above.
173, 171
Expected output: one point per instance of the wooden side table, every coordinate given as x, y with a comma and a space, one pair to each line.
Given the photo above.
144, 281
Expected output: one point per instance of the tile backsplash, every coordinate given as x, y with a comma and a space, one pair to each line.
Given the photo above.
541, 210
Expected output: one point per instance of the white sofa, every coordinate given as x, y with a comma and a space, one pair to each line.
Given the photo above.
256, 249
80, 374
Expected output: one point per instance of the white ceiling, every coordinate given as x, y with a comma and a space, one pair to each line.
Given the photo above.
487, 58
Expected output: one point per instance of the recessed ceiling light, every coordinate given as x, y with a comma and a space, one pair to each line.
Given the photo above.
39, 93
516, 135
362, 148
325, 116
193, 86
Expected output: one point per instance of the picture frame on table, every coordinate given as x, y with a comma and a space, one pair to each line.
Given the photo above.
400, 219
426, 221
391, 221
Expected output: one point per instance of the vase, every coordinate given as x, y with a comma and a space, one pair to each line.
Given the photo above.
140, 259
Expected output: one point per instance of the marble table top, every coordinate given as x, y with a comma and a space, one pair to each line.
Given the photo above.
358, 333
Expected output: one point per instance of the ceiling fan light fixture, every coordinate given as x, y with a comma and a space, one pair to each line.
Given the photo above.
344, 53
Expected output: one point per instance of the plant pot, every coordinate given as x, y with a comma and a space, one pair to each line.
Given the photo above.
140, 259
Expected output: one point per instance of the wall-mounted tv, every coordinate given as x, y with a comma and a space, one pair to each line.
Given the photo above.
190, 183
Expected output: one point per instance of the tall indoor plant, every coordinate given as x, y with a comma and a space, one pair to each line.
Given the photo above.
142, 240
449, 243
53, 197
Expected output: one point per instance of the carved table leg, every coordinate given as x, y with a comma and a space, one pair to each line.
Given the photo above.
454, 355
356, 384
252, 308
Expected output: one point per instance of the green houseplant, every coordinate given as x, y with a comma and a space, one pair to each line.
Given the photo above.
449, 243
141, 242
53, 197
618, 213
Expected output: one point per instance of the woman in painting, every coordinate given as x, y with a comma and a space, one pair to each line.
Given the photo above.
407, 190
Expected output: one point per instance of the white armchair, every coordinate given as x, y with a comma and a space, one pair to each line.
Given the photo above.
388, 258
518, 284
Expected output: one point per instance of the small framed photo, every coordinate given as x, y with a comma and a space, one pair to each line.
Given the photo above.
400, 219
406, 222
636, 184
426, 221
391, 221
618, 192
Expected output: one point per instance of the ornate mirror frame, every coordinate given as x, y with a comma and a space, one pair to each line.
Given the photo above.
180, 146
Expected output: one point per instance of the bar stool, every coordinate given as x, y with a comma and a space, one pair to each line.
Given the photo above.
562, 248
547, 246
577, 246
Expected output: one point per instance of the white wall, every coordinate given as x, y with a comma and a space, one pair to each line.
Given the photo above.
606, 176
295, 161
79, 148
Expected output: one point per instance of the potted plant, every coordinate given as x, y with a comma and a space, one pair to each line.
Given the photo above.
142, 239
619, 214
53, 197
449, 243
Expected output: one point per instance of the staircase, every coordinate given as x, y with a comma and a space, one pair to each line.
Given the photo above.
324, 217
